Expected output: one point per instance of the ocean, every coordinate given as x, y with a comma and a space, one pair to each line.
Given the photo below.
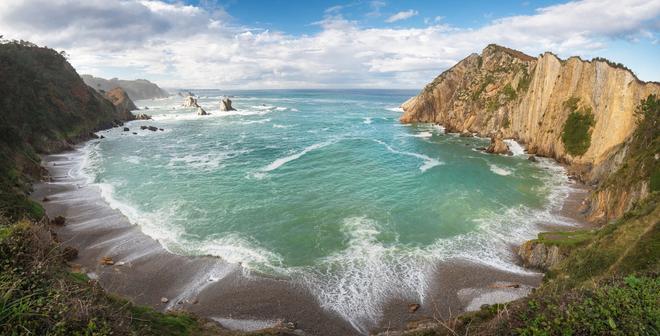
324, 188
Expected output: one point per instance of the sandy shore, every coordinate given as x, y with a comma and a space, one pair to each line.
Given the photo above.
145, 272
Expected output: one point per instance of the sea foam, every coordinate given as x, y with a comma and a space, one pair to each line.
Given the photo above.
428, 161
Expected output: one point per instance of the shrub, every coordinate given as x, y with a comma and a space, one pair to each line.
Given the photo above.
575, 134
509, 93
622, 307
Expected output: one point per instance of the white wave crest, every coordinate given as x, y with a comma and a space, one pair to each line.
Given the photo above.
499, 170
394, 109
282, 161
359, 280
428, 161
366, 120
515, 147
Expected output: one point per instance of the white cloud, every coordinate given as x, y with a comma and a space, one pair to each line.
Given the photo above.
188, 46
402, 16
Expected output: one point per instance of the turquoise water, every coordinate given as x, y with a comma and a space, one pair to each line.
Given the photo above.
326, 188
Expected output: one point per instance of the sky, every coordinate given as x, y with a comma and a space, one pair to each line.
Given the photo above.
237, 44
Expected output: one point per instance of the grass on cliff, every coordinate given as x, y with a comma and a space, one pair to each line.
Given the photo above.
608, 285
576, 134
641, 164
39, 296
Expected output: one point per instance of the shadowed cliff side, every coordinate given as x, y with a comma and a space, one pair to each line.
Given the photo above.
45, 108
579, 112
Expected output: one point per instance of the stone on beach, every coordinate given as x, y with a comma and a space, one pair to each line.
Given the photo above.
69, 253
164, 300
107, 261
413, 307
59, 221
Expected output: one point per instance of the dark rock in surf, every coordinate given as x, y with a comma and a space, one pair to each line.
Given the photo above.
225, 105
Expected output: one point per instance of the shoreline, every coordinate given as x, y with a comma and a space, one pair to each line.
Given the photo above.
207, 286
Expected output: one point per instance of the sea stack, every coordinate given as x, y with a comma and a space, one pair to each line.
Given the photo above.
190, 101
225, 105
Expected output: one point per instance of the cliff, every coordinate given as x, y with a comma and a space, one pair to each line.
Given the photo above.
579, 112
46, 107
136, 89
123, 104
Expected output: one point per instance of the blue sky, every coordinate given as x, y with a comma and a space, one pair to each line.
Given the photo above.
297, 17
325, 44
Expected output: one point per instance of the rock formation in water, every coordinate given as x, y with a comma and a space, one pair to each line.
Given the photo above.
136, 89
190, 101
225, 105
497, 145
579, 112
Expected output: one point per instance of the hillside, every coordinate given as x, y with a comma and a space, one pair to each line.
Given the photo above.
46, 107
136, 89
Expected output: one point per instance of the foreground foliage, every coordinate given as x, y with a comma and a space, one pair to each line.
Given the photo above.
40, 296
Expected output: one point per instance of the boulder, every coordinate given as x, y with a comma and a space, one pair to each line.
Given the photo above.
466, 134
143, 127
152, 128
539, 255
59, 221
497, 145
142, 116
532, 158
126, 129
225, 105
200, 111
107, 261
69, 253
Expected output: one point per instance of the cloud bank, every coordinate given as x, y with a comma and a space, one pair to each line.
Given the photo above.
182, 45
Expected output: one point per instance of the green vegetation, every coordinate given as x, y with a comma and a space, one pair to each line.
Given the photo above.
505, 121
509, 93
640, 163
575, 134
619, 307
523, 85
489, 79
46, 107
568, 239
613, 64
492, 105
38, 296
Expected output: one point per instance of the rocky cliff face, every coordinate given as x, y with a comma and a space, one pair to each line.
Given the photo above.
122, 102
136, 89
579, 112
